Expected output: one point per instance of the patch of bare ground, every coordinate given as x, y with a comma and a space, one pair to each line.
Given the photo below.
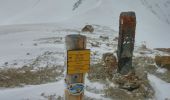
133, 87
51, 97
12, 77
163, 49
148, 65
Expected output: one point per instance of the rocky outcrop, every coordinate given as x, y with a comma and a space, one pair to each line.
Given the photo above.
163, 61
88, 28
110, 61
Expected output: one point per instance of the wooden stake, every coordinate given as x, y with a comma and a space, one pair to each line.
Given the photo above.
74, 42
127, 25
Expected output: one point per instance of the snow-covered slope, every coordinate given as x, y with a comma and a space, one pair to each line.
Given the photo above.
34, 11
159, 8
153, 17
150, 26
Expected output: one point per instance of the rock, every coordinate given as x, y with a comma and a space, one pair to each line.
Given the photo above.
110, 61
59, 98
130, 86
28, 54
43, 94
139, 89
88, 28
128, 82
107, 44
104, 38
115, 39
6, 63
121, 94
95, 44
110, 64
163, 61
35, 44
15, 64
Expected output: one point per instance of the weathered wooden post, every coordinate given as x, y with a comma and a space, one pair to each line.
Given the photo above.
127, 26
78, 63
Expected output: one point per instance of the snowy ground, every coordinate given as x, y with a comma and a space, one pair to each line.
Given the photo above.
153, 16
30, 28
160, 87
15, 47
51, 39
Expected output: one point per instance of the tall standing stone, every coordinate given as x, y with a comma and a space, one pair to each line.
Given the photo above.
127, 26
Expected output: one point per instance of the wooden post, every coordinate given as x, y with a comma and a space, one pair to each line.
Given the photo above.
127, 25
74, 42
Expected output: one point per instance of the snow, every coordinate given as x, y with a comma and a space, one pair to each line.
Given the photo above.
161, 87
26, 22
97, 96
161, 70
152, 15
33, 92
15, 45
95, 85
34, 11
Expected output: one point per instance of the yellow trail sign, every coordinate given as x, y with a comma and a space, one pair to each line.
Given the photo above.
78, 61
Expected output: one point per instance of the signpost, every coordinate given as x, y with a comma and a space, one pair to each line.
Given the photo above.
78, 63
127, 25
